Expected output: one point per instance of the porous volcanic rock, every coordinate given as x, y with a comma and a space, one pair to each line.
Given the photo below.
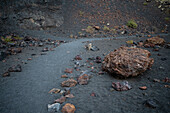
155, 41
127, 61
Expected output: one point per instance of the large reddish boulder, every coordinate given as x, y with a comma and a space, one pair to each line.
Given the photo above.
127, 61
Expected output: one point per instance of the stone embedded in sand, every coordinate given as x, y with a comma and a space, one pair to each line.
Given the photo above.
154, 41
61, 100
6, 74
78, 57
16, 68
83, 80
68, 108
127, 61
124, 86
69, 83
68, 70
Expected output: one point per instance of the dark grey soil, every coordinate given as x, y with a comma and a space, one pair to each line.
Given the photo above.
27, 91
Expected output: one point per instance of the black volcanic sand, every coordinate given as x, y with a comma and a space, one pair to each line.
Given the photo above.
27, 91
63, 18
131, 101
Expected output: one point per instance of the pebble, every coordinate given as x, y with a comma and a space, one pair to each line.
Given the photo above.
151, 103
53, 107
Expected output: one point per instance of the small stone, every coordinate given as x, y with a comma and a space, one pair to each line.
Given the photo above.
69, 83
62, 92
40, 44
68, 70
143, 88
68, 108
166, 80
53, 107
15, 68
83, 80
167, 46
29, 58
124, 86
167, 86
54, 90
69, 96
151, 103
112, 89
97, 27
93, 95
78, 57
163, 59
6, 74
61, 100
64, 76
156, 80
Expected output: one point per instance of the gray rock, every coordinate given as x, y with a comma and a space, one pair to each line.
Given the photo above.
151, 103
53, 107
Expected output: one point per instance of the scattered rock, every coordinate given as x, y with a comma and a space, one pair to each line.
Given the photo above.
124, 86
40, 44
167, 86
67, 91
154, 41
127, 61
64, 76
78, 57
53, 107
156, 80
151, 103
6, 74
97, 27
54, 90
29, 59
167, 46
15, 68
14, 51
166, 80
45, 49
69, 96
98, 59
69, 83
68, 108
83, 80
93, 95
143, 88
68, 70
163, 59
61, 100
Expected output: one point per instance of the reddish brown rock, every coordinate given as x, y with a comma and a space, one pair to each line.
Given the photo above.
69, 83
143, 88
151, 42
6, 74
83, 80
68, 70
68, 108
61, 100
64, 76
127, 61
78, 57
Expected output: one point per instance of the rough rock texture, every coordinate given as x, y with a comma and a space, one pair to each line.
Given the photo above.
155, 41
68, 108
69, 83
127, 61
83, 80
